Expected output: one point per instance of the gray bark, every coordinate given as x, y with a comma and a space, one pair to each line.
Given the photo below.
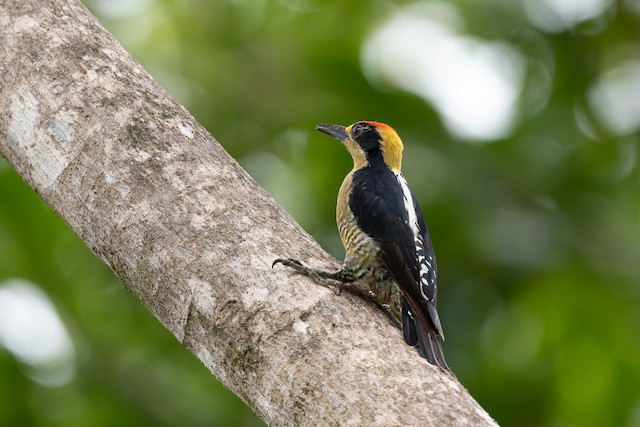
193, 236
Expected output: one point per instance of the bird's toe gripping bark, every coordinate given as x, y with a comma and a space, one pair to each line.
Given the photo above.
329, 279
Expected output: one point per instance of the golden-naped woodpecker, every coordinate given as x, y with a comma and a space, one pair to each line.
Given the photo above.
385, 236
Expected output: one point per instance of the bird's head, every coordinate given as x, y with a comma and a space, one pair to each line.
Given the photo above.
368, 140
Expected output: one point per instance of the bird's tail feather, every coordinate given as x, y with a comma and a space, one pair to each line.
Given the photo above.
426, 338
408, 325
430, 346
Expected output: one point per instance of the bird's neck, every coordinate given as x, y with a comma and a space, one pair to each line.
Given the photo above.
376, 161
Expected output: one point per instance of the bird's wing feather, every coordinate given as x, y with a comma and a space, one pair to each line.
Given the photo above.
378, 203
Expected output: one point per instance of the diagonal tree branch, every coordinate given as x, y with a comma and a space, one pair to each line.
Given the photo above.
193, 236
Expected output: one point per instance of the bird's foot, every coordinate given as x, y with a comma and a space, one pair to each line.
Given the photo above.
329, 279
337, 281
389, 310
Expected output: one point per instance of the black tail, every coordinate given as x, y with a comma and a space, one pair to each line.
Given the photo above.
425, 337
431, 347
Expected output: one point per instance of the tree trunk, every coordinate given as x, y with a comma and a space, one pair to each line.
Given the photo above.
193, 236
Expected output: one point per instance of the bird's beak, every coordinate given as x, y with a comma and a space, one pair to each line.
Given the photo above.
336, 131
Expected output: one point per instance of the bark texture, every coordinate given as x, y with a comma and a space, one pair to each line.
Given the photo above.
193, 236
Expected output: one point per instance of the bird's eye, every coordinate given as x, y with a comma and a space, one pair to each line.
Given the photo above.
357, 130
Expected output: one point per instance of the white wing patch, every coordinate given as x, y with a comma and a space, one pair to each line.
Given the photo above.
427, 272
408, 205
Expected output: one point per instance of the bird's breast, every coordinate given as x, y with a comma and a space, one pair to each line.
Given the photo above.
362, 251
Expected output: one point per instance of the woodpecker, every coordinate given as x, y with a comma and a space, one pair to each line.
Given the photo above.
385, 236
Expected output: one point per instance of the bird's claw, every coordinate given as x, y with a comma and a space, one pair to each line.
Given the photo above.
285, 261
337, 288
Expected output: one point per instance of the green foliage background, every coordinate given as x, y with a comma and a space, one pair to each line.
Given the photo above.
537, 233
